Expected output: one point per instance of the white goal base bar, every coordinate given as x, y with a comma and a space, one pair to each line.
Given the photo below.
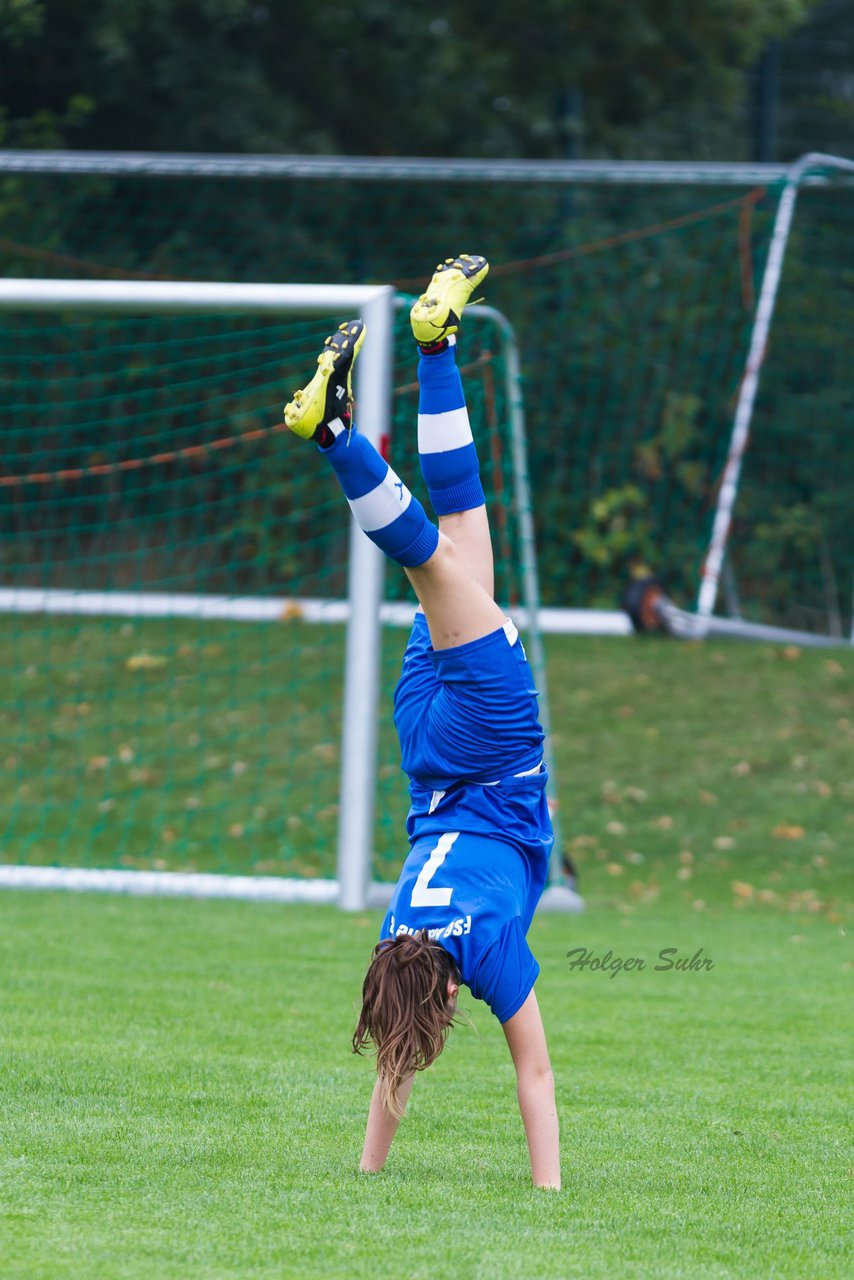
169, 884
213, 608
195, 884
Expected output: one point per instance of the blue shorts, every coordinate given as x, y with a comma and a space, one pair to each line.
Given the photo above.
469, 713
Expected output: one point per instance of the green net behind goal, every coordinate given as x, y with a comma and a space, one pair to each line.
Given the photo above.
154, 510
633, 304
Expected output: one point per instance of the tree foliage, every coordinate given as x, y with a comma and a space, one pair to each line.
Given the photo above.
383, 77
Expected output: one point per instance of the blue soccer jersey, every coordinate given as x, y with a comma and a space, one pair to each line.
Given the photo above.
478, 824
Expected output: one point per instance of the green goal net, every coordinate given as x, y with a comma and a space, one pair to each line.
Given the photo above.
633, 289
174, 584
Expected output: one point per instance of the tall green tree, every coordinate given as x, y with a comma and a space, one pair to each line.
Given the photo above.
382, 77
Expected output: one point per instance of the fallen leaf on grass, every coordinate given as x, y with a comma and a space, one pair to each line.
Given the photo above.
271, 867
804, 900
743, 892
788, 831
614, 869
645, 893
145, 661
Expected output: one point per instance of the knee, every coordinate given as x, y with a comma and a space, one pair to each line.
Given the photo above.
446, 558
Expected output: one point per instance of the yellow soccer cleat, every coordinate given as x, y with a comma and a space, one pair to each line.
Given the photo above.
437, 312
329, 395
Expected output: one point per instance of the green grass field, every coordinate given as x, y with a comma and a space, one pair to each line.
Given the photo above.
680, 768
177, 1093
178, 1100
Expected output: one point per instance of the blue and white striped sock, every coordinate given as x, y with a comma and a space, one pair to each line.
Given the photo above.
380, 501
445, 443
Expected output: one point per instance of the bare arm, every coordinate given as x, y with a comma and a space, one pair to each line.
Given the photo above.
382, 1126
535, 1089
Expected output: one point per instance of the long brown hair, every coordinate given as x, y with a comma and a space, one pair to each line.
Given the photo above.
406, 1011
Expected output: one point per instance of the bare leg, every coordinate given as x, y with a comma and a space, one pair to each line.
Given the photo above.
469, 532
445, 444
458, 606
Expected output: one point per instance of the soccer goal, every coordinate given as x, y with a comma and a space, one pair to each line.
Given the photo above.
196, 668
802, 527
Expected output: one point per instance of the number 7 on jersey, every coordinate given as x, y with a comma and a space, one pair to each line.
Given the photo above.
422, 894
